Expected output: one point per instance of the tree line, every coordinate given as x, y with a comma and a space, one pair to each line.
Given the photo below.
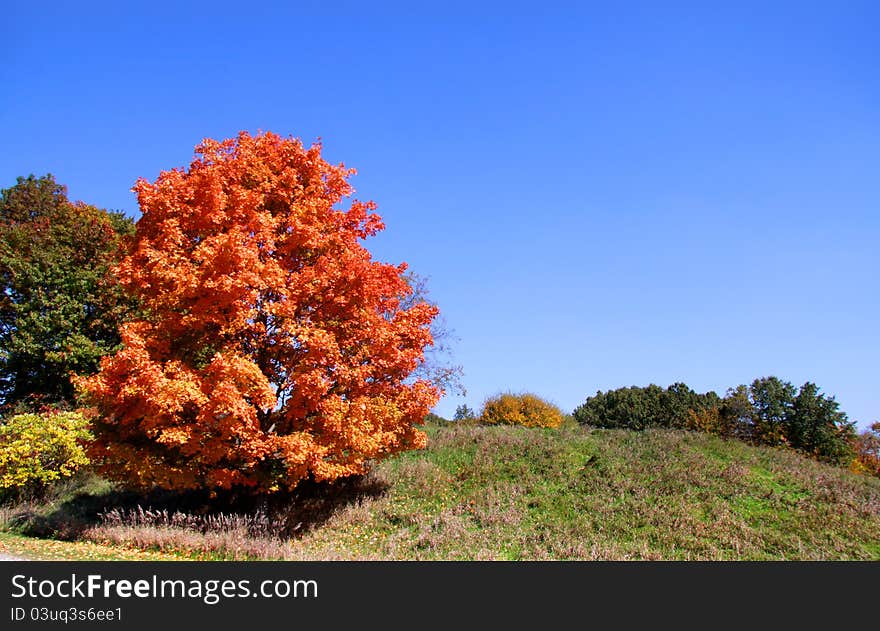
769, 411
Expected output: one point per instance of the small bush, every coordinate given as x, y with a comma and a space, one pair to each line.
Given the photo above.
867, 451
527, 410
38, 449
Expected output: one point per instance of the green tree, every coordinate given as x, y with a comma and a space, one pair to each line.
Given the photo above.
772, 400
816, 425
630, 408
59, 309
774, 412
770, 411
737, 414
435, 419
642, 407
464, 413
679, 399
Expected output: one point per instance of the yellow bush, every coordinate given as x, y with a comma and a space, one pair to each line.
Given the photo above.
36, 449
528, 410
707, 420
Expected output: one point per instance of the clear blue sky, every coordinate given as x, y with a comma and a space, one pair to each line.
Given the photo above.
601, 194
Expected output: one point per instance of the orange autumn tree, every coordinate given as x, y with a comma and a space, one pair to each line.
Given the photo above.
274, 348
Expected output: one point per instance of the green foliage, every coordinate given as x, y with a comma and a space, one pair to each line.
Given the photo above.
527, 410
769, 412
641, 408
59, 309
465, 414
803, 419
435, 419
816, 425
737, 414
771, 400
38, 449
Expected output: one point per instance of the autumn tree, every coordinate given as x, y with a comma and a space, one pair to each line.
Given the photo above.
274, 348
867, 451
737, 414
59, 311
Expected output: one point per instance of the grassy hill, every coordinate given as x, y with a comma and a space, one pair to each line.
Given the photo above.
515, 493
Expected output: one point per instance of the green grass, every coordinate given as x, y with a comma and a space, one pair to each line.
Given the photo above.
516, 493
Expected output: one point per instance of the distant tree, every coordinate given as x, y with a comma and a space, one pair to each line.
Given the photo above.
770, 411
630, 408
59, 309
816, 425
642, 407
464, 413
592, 411
774, 412
706, 420
435, 419
737, 414
679, 399
867, 451
772, 400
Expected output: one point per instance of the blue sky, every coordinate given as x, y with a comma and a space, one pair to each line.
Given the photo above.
600, 194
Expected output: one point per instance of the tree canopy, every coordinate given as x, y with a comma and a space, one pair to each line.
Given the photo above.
640, 407
59, 311
274, 347
770, 411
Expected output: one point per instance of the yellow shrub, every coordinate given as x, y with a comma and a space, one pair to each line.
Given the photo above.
36, 449
528, 410
707, 420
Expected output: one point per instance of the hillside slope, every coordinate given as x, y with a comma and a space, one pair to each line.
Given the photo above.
513, 493
516, 493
